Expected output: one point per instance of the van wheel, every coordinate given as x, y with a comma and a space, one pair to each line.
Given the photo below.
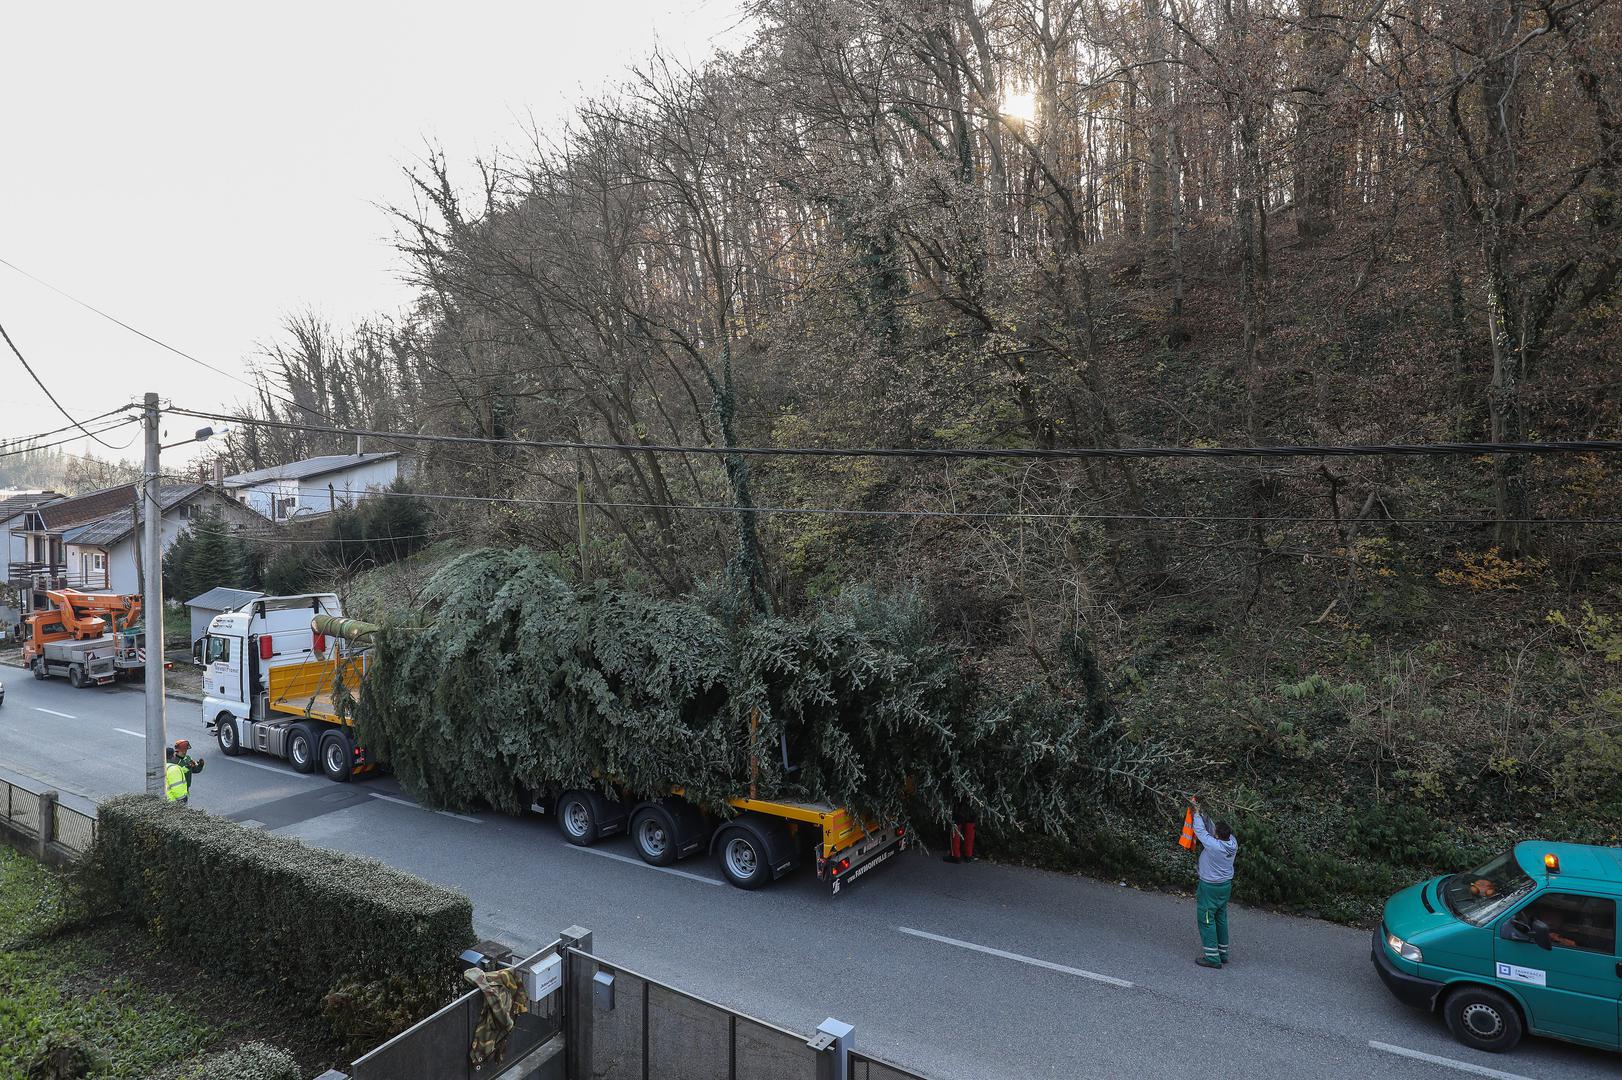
337, 758
655, 836
577, 819
301, 750
225, 730
743, 858
1483, 1018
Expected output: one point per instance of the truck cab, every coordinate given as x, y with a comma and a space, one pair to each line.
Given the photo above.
268, 680
1526, 942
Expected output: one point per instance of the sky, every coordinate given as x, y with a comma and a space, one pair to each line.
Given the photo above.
202, 170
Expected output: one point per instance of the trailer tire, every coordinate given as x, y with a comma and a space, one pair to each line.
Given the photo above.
38, 668
337, 757
743, 858
577, 817
225, 730
301, 749
76, 676
654, 831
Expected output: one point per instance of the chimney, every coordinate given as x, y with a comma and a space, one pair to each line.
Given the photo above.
360, 444
219, 472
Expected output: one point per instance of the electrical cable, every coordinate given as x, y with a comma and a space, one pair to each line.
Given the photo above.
41, 384
363, 493
67, 427
1447, 449
72, 438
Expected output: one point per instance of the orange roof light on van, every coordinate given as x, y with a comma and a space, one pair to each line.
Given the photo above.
1552, 862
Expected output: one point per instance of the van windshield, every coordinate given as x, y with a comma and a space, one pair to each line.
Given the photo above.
1479, 896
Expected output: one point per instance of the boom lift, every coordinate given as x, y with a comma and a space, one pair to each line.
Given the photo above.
89, 637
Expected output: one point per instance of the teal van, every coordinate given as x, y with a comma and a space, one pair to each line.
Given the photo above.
1527, 942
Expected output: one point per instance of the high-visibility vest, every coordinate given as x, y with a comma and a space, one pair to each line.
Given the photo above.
175, 782
1187, 839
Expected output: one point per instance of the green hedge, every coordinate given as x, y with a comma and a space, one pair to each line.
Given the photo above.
286, 917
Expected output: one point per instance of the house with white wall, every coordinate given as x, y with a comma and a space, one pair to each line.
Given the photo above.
317, 485
103, 553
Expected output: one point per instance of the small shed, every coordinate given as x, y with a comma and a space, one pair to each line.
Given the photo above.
216, 601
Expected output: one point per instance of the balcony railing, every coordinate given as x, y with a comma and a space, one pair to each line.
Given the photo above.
42, 576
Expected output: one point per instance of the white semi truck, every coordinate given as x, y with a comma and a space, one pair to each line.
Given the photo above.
270, 679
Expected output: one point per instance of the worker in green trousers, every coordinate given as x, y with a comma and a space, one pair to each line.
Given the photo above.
1218, 847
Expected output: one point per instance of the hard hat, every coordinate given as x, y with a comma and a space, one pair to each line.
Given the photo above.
182, 745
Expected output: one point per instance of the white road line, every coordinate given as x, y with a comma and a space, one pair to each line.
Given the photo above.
53, 712
1462, 1066
287, 773
127, 731
419, 806
1033, 961
646, 866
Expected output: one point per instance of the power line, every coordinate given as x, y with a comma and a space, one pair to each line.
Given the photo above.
72, 438
41, 384
722, 508
1446, 449
68, 427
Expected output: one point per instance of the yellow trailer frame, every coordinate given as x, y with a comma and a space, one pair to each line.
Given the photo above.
308, 688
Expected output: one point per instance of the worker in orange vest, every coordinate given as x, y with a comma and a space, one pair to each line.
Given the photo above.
1218, 846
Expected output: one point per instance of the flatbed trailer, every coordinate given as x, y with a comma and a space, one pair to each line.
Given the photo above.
767, 838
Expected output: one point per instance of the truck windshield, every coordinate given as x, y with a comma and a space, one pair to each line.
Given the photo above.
1479, 896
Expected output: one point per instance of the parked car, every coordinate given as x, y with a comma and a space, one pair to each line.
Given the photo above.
1525, 943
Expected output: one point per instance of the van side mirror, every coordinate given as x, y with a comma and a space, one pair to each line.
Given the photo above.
1516, 930
1540, 935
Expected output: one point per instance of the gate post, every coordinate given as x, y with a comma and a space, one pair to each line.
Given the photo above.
47, 823
833, 1043
577, 1004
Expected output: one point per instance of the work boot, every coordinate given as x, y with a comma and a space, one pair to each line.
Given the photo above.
1204, 962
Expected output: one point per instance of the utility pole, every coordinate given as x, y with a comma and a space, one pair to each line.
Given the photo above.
157, 737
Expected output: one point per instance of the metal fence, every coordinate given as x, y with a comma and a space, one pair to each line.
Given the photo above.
32, 817
627, 1026
437, 1048
863, 1067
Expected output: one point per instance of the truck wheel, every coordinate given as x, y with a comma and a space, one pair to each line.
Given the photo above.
337, 758
1483, 1019
655, 835
38, 668
76, 676
301, 750
743, 858
225, 730
577, 819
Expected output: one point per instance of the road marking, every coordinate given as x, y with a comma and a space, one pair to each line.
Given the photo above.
288, 773
1462, 1066
646, 865
127, 731
1033, 961
419, 806
53, 712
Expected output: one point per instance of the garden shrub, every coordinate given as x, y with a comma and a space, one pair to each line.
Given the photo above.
297, 919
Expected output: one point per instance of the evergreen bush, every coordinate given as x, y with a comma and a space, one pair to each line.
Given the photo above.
288, 917
250, 1061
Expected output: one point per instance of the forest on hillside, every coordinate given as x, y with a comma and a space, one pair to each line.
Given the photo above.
1048, 224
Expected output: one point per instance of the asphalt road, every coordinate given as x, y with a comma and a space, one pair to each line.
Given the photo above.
977, 972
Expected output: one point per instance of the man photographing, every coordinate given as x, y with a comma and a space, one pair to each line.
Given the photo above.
178, 771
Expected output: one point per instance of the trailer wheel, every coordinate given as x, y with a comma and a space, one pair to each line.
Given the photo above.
655, 835
337, 757
76, 676
577, 819
38, 668
301, 750
225, 730
743, 858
